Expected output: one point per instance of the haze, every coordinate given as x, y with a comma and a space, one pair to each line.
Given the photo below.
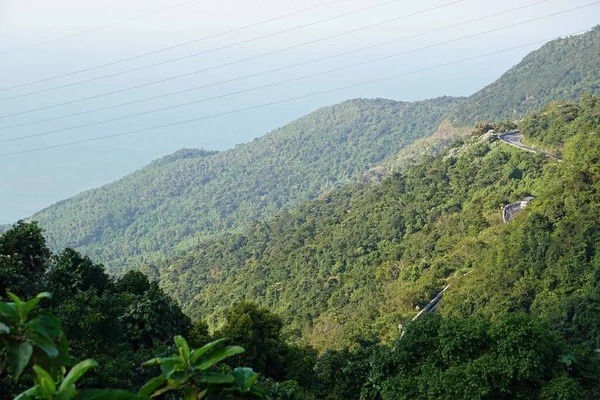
31, 181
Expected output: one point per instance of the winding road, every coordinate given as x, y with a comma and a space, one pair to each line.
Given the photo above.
514, 139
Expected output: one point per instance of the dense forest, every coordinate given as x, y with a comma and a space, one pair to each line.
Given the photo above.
365, 256
563, 69
190, 195
317, 302
181, 200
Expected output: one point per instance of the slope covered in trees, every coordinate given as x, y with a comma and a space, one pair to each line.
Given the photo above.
193, 194
365, 256
176, 202
563, 69
520, 319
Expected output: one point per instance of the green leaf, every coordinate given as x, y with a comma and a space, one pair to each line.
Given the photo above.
18, 358
168, 367
46, 325
77, 372
4, 328
170, 386
218, 355
158, 361
46, 345
26, 307
245, 378
45, 380
152, 385
205, 349
183, 347
108, 394
16, 299
215, 378
9, 310
31, 393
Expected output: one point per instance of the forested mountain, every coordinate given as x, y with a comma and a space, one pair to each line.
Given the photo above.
355, 263
192, 194
563, 69
177, 202
519, 319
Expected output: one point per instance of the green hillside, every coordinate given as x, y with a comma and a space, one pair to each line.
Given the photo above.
192, 194
564, 69
176, 202
355, 263
346, 272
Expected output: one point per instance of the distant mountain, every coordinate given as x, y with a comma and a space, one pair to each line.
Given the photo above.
191, 195
563, 69
175, 203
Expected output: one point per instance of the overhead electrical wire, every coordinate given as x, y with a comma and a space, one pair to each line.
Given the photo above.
97, 28
241, 60
242, 77
280, 101
273, 34
289, 80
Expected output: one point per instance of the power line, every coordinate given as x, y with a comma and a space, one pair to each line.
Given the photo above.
247, 59
183, 57
98, 28
290, 80
281, 101
248, 76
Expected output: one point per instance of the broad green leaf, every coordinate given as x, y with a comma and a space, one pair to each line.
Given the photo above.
46, 325
31, 393
158, 361
26, 307
215, 378
4, 328
16, 299
205, 349
77, 372
18, 358
108, 394
168, 367
45, 380
170, 386
218, 355
245, 378
152, 385
183, 347
202, 394
46, 345
9, 310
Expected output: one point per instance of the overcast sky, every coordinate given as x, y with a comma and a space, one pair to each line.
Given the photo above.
32, 181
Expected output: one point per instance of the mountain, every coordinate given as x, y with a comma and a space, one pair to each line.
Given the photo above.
563, 69
175, 203
178, 200
356, 262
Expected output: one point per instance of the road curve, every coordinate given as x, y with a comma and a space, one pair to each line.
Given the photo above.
514, 139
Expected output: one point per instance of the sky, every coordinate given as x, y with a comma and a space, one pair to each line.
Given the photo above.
34, 180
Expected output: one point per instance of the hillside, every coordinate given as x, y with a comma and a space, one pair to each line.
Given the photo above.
365, 256
346, 271
193, 194
176, 202
563, 69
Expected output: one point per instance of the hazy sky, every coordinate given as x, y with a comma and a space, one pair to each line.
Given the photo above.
32, 181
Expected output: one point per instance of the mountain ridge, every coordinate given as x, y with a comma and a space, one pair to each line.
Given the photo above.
166, 208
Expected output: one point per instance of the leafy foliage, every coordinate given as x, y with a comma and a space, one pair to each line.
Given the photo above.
562, 70
365, 256
192, 372
191, 195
